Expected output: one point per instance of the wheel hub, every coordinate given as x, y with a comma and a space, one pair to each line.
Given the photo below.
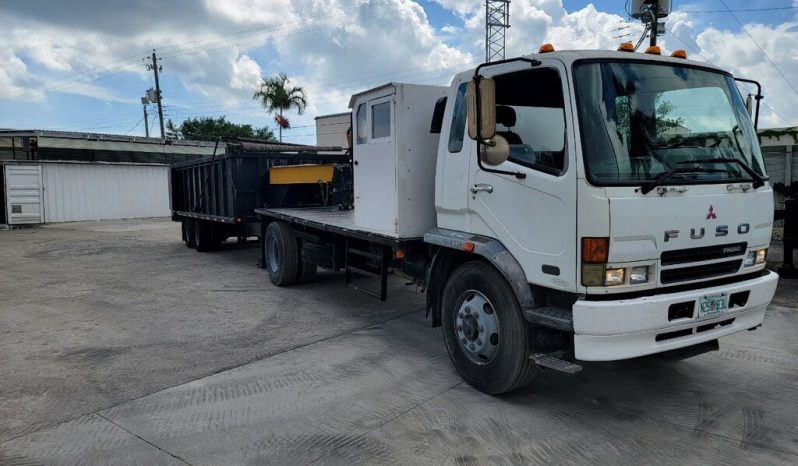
477, 327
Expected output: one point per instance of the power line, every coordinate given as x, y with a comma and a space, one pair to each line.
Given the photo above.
760, 48
134, 126
780, 8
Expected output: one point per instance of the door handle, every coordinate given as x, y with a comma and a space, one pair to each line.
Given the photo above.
482, 187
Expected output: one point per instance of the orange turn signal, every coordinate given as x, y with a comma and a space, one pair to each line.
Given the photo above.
679, 54
626, 47
595, 250
399, 254
468, 246
546, 48
654, 50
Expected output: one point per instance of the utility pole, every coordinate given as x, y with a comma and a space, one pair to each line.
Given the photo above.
155, 69
146, 124
497, 20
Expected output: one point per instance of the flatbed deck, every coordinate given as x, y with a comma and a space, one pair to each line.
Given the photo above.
333, 220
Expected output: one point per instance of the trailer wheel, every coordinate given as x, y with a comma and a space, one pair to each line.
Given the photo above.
191, 233
282, 254
484, 331
307, 272
205, 236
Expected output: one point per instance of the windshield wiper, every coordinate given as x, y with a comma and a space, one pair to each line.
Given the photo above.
758, 182
646, 188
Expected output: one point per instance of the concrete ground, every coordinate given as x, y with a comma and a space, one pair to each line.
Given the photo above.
119, 345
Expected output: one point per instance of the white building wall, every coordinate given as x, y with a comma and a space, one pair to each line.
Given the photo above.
81, 191
331, 130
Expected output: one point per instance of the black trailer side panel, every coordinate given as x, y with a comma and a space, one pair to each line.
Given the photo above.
230, 186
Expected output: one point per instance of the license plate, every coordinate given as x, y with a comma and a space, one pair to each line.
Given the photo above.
712, 305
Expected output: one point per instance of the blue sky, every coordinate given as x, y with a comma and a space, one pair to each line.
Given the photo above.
80, 65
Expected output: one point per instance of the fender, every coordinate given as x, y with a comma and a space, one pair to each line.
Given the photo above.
452, 253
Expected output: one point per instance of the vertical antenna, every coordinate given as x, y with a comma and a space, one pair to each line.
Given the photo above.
497, 19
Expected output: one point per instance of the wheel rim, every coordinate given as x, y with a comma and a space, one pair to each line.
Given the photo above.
477, 327
273, 253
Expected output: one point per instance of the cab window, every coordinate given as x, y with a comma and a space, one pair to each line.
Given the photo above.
530, 115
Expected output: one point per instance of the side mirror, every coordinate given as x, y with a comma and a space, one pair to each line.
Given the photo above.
749, 105
494, 151
486, 107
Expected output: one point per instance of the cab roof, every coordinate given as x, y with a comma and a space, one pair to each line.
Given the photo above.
568, 57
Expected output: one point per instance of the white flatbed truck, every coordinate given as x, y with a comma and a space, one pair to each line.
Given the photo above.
560, 207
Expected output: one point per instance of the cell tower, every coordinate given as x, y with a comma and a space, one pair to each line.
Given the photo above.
497, 19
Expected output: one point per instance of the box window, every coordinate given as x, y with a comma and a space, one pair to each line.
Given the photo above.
381, 120
362, 127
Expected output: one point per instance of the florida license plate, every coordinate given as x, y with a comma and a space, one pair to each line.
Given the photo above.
712, 305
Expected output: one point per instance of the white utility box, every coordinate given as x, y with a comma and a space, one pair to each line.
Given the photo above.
394, 157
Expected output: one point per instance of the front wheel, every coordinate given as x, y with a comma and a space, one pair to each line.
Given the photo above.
484, 331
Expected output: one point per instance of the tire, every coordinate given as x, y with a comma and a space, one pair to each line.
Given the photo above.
307, 272
205, 236
282, 254
492, 364
191, 233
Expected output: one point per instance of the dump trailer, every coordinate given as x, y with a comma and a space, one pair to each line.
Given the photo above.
215, 197
561, 207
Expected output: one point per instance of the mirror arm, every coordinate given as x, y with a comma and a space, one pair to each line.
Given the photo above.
477, 78
757, 97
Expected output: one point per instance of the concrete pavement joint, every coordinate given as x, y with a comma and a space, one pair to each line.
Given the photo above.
388, 421
145, 440
223, 369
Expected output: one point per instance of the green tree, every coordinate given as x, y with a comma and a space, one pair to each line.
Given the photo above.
275, 94
210, 129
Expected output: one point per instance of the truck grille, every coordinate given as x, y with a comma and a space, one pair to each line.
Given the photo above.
700, 271
706, 253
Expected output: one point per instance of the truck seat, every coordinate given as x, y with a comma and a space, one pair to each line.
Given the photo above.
505, 116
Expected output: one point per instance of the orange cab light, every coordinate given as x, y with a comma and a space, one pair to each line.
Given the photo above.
399, 254
654, 50
546, 48
626, 47
468, 246
679, 54
595, 250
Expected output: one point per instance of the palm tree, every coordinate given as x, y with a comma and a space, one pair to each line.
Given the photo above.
275, 94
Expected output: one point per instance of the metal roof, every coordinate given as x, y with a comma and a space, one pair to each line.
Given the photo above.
68, 139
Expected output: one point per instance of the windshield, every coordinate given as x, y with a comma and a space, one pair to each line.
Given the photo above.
641, 120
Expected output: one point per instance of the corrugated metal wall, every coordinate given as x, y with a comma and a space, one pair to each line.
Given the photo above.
75, 192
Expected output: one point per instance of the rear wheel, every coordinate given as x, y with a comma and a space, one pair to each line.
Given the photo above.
484, 331
191, 233
282, 254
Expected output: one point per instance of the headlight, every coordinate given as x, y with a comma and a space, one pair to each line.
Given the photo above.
750, 259
762, 256
638, 275
614, 277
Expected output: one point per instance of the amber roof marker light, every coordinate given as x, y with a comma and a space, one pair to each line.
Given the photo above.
654, 50
626, 47
546, 48
679, 54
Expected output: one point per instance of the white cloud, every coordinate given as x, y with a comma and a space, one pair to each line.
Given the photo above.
331, 47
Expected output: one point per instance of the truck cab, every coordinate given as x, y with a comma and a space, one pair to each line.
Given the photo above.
625, 190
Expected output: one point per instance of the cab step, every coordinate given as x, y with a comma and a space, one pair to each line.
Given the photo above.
555, 362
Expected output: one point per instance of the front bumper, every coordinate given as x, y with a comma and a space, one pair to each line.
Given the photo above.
628, 328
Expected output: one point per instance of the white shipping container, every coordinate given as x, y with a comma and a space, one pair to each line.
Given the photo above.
82, 191
75, 191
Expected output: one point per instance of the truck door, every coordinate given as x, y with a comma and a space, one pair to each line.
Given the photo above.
533, 215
